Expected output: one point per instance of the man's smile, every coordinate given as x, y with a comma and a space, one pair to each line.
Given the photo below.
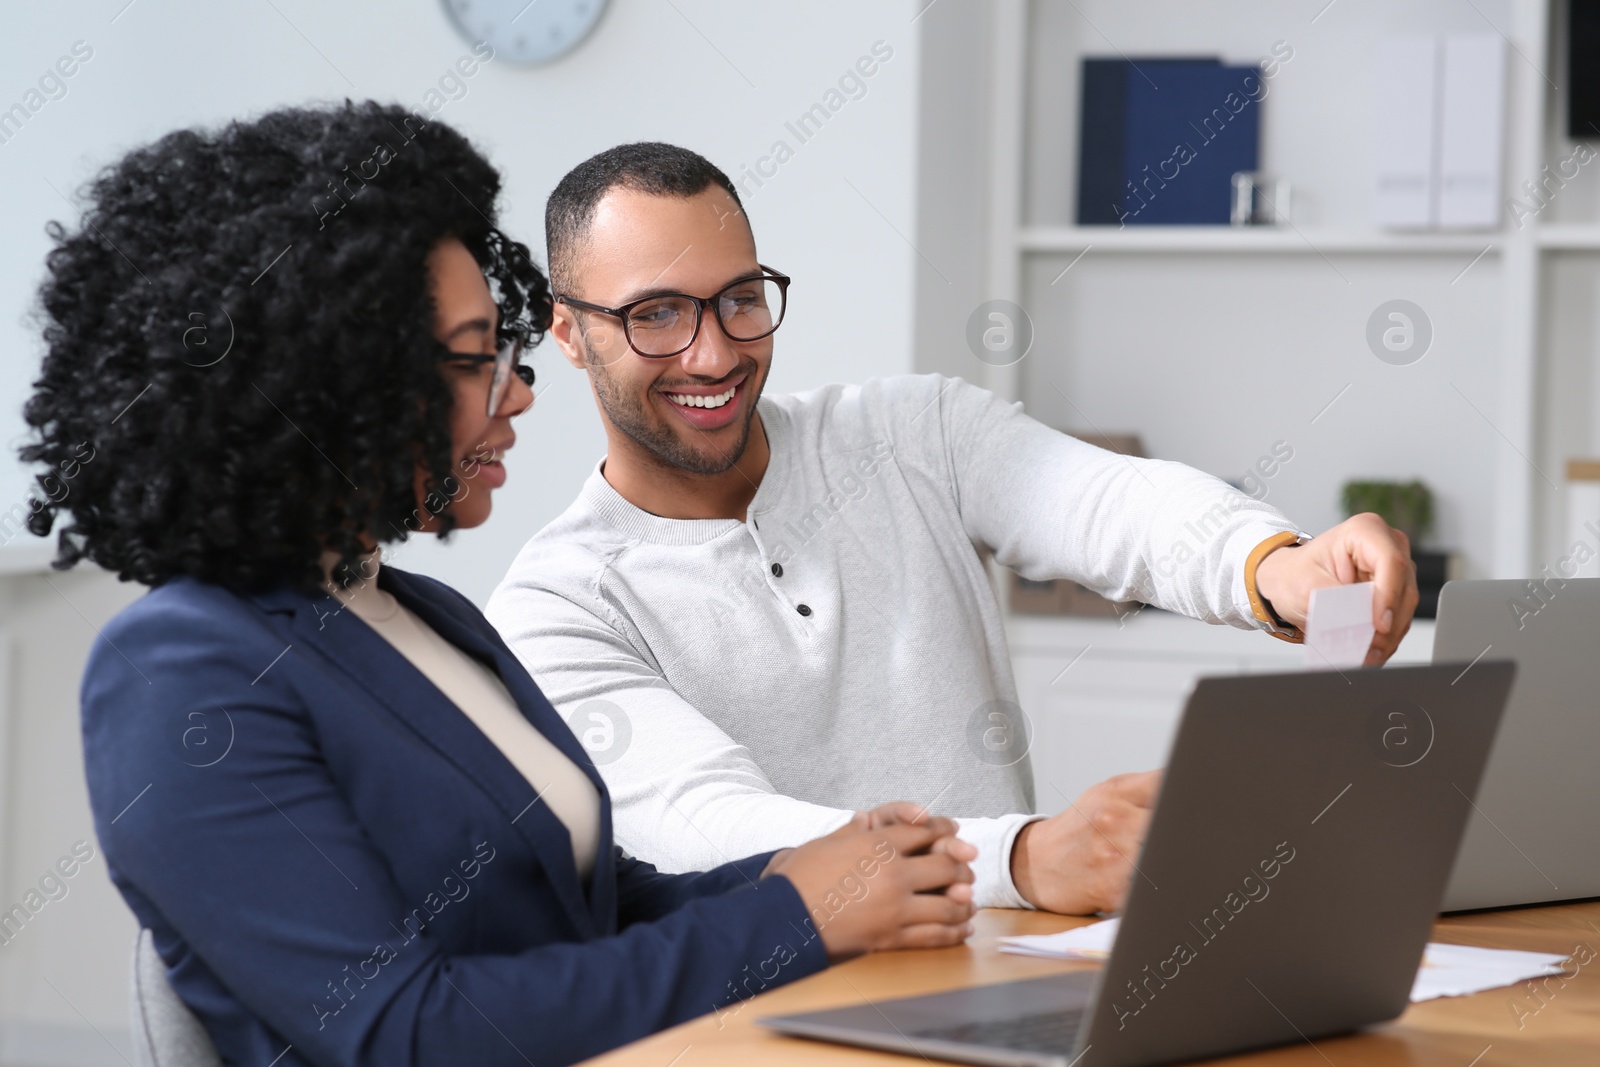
707, 407
694, 400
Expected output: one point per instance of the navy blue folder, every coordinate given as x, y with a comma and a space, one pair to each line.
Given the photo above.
1160, 140
1101, 140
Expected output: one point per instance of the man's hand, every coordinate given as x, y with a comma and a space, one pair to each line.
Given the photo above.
894, 877
1360, 549
1081, 861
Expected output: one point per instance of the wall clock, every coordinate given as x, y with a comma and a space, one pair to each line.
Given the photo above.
529, 32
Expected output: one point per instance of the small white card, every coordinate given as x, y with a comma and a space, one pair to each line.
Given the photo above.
1339, 626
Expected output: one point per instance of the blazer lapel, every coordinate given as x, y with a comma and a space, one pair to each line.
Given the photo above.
356, 649
482, 641
475, 635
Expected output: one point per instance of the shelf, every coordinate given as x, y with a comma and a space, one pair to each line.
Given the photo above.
1228, 239
1563, 236
30, 556
1570, 236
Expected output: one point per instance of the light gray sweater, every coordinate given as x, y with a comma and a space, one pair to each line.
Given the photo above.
745, 685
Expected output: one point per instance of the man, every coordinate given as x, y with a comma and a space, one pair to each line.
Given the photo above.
768, 612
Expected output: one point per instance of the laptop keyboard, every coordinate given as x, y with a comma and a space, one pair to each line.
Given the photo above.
1045, 1031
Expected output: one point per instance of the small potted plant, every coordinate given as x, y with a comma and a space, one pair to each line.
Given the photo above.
1408, 507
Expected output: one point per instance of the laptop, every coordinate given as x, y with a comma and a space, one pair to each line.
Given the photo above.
1291, 876
1535, 834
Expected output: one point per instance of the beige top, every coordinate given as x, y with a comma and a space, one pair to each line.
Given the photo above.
480, 694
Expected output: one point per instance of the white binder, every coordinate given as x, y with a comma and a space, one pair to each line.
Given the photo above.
1439, 116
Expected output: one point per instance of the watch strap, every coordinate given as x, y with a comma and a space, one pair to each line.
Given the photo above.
1259, 606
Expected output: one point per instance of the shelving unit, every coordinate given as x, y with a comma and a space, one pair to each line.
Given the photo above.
1482, 417
1215, 343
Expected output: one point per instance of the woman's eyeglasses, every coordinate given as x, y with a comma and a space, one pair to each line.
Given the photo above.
664, 325
507, 361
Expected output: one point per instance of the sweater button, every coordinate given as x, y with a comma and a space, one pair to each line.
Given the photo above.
804, 610
777, 570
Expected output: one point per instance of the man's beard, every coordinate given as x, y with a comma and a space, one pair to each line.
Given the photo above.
633, 416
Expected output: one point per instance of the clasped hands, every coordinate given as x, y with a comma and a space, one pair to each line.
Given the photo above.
892, 877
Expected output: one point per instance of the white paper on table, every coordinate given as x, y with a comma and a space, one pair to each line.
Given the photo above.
1446, 970
1457, 970
1339, 626
1092, 942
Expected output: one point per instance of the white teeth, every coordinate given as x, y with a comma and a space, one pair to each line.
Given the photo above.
684, 400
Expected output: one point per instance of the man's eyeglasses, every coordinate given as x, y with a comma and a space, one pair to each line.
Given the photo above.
507, 361
664, 325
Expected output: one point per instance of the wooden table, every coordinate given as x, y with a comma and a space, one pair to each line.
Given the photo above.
1560, 1025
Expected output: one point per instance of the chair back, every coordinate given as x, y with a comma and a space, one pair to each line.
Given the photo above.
165, 1032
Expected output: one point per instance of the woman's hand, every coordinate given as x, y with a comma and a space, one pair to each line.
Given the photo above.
893, 877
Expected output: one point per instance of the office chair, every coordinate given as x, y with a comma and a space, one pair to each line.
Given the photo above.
165, 1032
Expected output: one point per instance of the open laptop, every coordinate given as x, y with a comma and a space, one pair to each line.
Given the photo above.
1286, 889
1535, 835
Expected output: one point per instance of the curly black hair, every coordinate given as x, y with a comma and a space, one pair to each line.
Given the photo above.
241, 369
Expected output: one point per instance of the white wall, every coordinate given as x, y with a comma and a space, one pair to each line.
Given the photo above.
720, 77
952, 185
715, 75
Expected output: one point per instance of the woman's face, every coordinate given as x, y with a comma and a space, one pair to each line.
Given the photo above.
465, 322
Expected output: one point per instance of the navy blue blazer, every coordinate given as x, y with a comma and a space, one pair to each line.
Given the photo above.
335, 861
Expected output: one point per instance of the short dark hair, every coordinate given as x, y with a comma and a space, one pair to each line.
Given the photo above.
299, 241
649, 167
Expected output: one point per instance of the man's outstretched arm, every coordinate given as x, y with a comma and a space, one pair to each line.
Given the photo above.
1156, 531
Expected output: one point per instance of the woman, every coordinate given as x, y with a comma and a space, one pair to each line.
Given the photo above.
358, 832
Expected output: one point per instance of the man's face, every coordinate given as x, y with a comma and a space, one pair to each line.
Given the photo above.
641, 245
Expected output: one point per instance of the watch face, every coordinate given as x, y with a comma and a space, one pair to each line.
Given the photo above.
526, 31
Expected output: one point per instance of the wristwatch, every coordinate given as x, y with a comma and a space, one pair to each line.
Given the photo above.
1261, 607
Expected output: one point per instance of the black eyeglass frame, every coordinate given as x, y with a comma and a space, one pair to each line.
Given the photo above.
700, 302
507, 360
